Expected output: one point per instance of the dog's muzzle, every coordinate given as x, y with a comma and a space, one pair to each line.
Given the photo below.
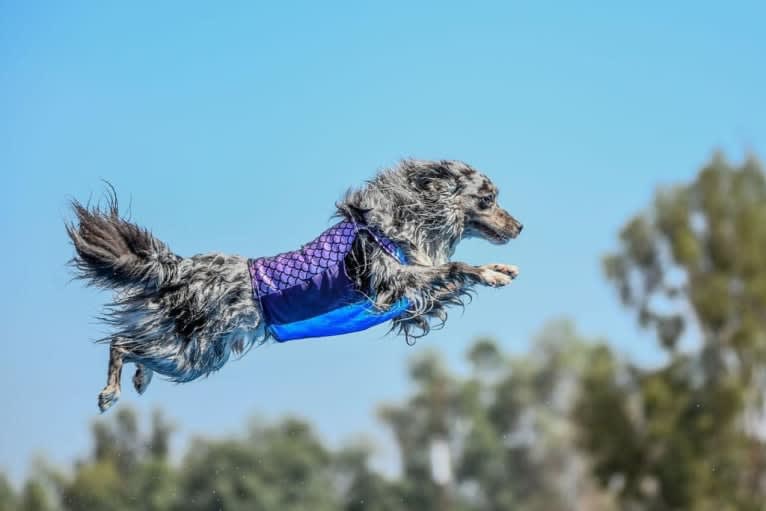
498, 227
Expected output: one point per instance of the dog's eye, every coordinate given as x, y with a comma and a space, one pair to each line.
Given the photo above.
486, 201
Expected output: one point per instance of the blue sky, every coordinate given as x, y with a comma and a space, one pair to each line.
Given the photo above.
236, 128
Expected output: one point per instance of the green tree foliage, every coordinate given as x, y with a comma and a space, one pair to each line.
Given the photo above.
126, 470
361, 487
693, 267
278, 467
7, 495
34, 497
506, 427
696, 259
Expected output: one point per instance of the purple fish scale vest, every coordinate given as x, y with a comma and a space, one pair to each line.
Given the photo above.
307, 292
290, 268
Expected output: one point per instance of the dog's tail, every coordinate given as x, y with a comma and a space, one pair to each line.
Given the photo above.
115, 253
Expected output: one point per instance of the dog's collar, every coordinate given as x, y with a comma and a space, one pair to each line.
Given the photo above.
388, 245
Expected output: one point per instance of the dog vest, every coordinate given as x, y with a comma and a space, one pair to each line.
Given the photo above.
307, 292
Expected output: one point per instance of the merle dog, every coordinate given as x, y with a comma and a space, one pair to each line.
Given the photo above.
182, 317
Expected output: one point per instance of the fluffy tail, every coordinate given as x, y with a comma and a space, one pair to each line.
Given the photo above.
114, 253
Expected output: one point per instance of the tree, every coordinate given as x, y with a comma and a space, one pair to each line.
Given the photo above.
692, 267
283, 467
34, 497
506, 426
423, 420
363, 489
7, 495
126, 470
521, 431
496, 438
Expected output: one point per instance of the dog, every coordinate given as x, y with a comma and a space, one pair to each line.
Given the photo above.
387, 260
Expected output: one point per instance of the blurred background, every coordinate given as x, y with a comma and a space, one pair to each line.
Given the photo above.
624, 370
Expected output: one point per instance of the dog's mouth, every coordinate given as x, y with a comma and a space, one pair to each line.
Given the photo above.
490, 233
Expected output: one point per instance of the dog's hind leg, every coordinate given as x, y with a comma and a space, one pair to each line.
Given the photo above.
111, 392
142, 378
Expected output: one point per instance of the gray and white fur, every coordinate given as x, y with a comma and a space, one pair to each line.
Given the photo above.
183, 317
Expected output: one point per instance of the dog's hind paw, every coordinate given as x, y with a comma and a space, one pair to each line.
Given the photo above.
142, 378
107, 398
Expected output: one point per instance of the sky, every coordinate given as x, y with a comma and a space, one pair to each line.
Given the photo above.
234, 127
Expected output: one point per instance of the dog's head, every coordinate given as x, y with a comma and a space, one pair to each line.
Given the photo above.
432, 205
466, 196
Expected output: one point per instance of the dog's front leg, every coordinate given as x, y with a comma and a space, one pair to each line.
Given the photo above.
426, 286
452, 279
430, 289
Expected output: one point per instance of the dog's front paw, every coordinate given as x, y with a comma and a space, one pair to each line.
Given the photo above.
507, 269
498, 275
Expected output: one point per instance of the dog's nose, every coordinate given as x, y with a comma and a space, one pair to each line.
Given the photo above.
521, 228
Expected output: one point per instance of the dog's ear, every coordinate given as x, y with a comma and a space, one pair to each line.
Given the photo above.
434, 177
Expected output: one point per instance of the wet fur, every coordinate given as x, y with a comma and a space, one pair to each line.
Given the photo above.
184, 317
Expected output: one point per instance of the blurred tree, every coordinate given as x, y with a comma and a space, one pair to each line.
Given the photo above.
361, 487
497, 438
282, 467
688, 435
7, 495
126, 470
697, 259
519, 447
34, 497
423, 427
505, 427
